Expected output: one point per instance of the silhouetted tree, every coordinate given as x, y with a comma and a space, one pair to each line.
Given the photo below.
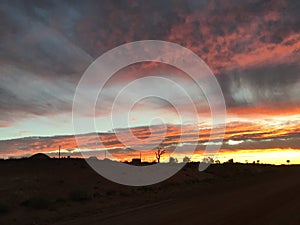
230, 161
186, 159
217, 162
173, 160
208, 160
158, 153
288, 161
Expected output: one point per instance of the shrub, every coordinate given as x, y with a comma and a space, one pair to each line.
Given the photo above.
110, 193
36, 203
79, 196
60, 200
3, 208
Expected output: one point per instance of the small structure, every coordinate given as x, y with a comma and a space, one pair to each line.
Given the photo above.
136, 161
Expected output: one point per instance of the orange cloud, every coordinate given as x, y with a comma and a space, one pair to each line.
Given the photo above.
258, 135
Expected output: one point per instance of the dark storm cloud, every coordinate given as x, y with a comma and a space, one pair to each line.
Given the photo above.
272, 85
24, 94
253, 47
30, 39
38, 64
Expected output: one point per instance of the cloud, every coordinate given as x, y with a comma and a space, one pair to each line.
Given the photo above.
251, 46
244, 135
273, 85
24, 94
38, 64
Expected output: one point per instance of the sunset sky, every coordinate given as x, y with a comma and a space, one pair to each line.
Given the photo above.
252, 47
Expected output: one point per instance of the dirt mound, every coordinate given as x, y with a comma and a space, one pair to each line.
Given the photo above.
39, 156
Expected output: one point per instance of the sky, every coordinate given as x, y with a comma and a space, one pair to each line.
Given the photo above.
251, 46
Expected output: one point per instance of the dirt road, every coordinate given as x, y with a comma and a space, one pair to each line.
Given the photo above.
271, 200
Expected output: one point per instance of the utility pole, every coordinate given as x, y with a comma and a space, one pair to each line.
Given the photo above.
59, 152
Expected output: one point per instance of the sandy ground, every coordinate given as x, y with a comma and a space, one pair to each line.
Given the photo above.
223, 194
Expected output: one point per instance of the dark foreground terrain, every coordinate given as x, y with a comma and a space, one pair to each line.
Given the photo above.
68, 192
